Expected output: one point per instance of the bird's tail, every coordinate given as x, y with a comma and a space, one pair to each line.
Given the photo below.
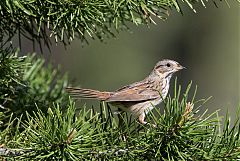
87, 93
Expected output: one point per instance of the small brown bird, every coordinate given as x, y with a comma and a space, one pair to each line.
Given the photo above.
139, 97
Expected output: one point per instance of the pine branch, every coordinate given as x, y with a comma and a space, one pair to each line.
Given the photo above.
26, 84
39, 20
38, 122
180, 133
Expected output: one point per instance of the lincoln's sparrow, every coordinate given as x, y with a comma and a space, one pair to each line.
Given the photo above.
139, 97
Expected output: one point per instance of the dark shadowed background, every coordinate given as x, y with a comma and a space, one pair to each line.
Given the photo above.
206, 42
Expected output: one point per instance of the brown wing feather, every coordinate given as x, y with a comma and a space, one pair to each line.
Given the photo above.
139, 91
144, 83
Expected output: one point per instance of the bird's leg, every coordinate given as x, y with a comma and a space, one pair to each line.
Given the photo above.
120, 117
141, 118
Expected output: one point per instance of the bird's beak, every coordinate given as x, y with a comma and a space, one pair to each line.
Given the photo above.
179, 67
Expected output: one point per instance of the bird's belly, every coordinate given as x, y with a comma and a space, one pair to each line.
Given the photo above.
137, 108
151, 104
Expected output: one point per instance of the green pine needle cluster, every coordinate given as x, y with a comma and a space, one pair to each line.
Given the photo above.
26, 83
39, 122
65, 20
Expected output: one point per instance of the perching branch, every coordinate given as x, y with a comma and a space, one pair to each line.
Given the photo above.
180, 134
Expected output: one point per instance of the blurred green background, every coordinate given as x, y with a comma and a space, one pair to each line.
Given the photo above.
206, 42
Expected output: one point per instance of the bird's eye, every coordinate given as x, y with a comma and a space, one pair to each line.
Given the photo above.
168, 65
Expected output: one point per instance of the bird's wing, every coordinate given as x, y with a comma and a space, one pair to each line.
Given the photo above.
142, 84
139, 91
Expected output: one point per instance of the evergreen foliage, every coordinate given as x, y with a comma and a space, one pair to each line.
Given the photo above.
65, 20
177, 133
25, 84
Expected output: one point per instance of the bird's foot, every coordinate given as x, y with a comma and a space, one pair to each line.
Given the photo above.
141, 119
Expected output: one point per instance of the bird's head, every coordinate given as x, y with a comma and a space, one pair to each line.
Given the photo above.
166, 68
